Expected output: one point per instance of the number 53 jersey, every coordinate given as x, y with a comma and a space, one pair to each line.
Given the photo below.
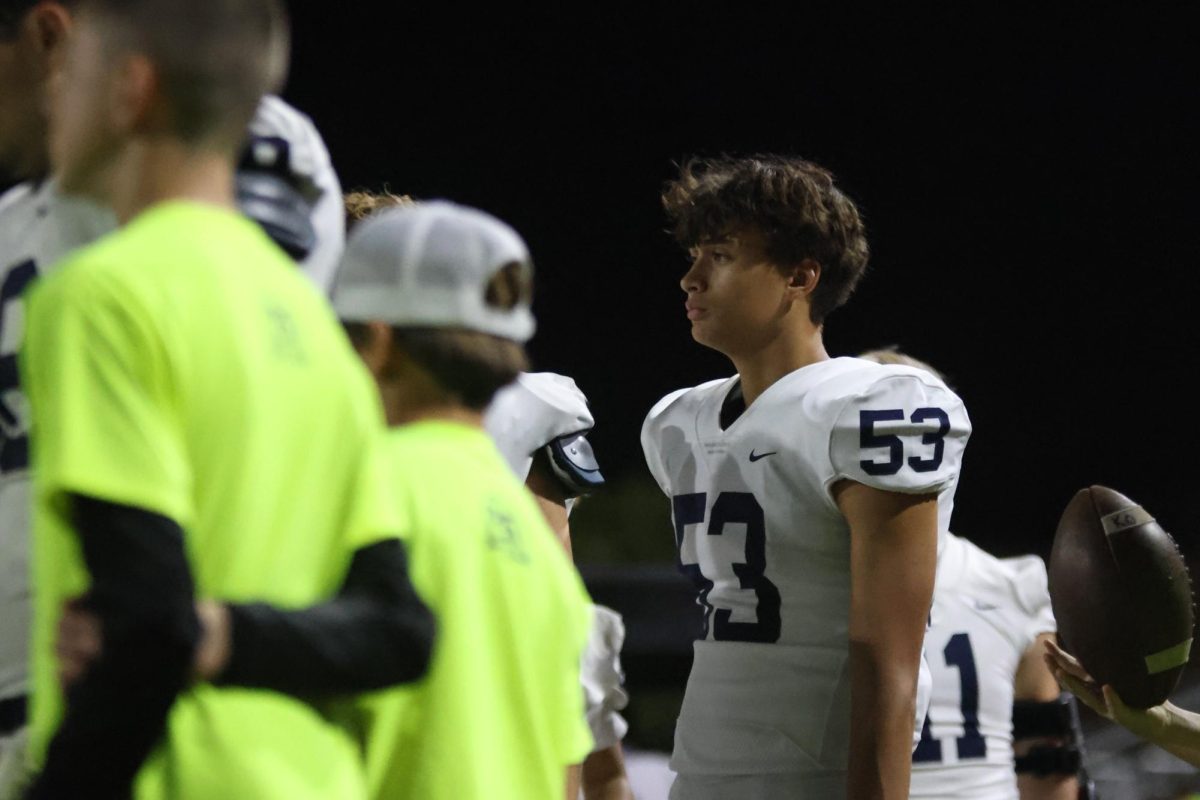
759, 534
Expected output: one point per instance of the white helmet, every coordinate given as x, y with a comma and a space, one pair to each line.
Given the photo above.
286, 183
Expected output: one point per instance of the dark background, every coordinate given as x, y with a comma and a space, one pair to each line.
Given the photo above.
1029, 182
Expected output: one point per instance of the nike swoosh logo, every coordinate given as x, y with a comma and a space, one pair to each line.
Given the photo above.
755, 457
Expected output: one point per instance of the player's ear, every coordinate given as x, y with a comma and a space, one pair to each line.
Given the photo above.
48, 27
136, 100
805, 276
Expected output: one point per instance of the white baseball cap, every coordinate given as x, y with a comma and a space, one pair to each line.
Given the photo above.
429, 265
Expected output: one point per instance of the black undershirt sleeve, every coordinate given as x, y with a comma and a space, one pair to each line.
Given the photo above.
143, 596
375, 633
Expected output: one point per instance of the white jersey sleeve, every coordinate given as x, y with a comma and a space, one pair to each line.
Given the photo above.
656, 442
1031, 594
905, 433
531, 412
603, 678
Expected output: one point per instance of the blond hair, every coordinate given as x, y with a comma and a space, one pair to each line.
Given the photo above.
892, 355
362, 203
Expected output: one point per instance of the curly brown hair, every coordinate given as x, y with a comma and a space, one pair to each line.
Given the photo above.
793, 203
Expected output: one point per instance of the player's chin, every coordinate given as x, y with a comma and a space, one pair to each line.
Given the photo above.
709, 336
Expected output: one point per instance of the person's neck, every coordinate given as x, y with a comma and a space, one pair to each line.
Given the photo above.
436, 413
783, 355
152, 171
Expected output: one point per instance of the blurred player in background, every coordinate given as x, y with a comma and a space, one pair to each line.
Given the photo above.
285, 182
36, 228
203, 430
808, 495
437, 300
990, 617
540, 423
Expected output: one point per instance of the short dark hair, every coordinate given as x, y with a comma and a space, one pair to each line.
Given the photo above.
468, 367
792, 203
216, 58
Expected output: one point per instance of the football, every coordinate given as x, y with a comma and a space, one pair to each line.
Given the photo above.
1121, 595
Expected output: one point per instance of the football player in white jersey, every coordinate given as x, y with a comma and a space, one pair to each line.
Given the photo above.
807, 492
286, 182
985, 643
540, 424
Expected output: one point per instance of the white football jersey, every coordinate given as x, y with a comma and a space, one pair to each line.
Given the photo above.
987, 612
531, 412
525, 416
37, 228
760, 535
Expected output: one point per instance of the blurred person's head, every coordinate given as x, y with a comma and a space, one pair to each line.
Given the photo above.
362, 203
32, 38
892, 355
143, 73
436, 298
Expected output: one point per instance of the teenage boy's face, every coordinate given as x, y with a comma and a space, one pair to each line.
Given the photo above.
87, 99
736, 298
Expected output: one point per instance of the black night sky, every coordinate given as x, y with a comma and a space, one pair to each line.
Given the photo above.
1029, 181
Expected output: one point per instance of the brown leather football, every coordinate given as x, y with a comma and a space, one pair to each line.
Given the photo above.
1121, 595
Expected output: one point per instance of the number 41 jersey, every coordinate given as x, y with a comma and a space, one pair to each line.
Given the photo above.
759, 533
987, 614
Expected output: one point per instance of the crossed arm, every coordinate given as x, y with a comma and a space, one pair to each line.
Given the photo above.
133, 644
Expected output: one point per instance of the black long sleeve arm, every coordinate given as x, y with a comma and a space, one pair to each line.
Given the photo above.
142, 593
375, 633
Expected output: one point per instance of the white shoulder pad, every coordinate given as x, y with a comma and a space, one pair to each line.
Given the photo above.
15, 196
604, 679
1027, 577
905, 431
669, 414
309, 160
531, 412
